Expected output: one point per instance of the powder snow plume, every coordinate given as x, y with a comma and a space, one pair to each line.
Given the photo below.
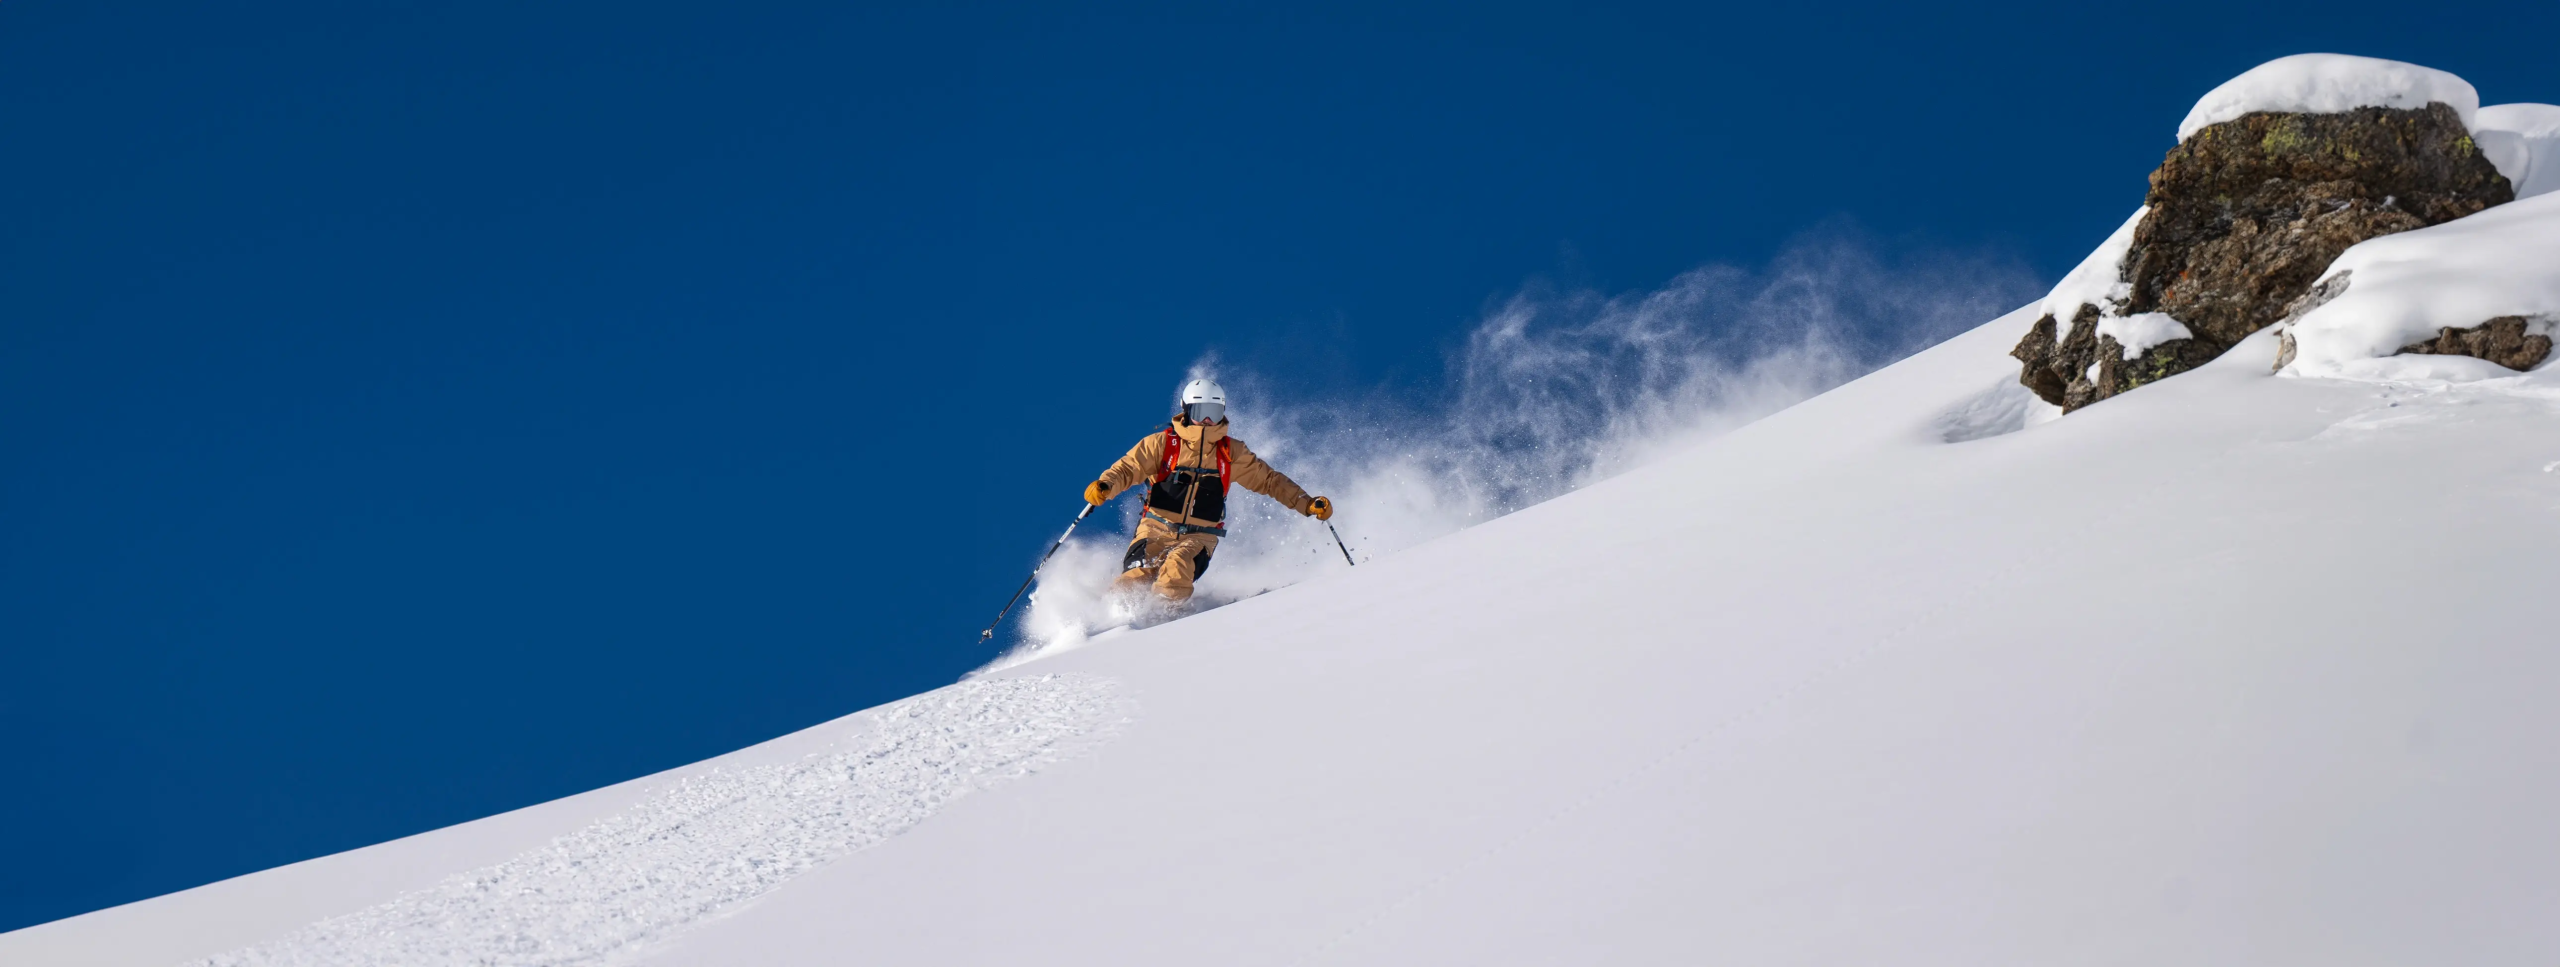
1552, 391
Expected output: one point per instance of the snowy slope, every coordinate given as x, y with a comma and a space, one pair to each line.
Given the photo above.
2234, 669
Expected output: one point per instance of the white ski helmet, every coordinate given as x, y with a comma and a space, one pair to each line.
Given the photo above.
1204, 401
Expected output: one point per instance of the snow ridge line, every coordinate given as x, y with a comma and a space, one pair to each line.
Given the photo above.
607, 892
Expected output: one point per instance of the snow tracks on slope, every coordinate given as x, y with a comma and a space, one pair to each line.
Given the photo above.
715, 840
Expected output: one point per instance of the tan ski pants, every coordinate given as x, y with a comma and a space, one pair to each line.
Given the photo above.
1162, 558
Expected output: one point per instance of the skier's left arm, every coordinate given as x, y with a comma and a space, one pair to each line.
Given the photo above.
1254, 475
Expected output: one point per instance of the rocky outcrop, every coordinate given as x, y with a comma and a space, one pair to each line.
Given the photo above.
2508, 341
2243, 217
2048, 358
2085, 366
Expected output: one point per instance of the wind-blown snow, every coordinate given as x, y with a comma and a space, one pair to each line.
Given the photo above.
1553, 391
2523, 140
2329, 84
713, 841
2403, 288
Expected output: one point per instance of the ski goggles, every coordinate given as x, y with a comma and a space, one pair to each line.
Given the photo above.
1205, 412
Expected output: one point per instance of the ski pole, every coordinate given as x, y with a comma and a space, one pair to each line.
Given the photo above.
1337, 542
1035, 572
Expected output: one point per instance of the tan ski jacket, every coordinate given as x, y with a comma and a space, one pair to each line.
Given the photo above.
1191, 492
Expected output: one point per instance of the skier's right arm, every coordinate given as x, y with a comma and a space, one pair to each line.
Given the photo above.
1138, 465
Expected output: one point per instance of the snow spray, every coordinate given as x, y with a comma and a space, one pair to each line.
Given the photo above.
1552, 391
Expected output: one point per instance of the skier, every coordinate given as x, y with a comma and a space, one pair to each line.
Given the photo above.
1190, 467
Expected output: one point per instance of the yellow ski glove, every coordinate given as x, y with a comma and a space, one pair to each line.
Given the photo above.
1320, 509
1094, 494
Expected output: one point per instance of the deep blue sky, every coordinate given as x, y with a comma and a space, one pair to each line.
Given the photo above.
410, 412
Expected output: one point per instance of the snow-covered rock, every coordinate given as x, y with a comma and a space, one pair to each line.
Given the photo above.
2403, 289
2330, 84
2524, 141
2277, 172
2097, 281
2096, 290
2138, 333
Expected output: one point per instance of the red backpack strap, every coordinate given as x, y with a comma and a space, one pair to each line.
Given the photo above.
1172, 452
1226, 481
